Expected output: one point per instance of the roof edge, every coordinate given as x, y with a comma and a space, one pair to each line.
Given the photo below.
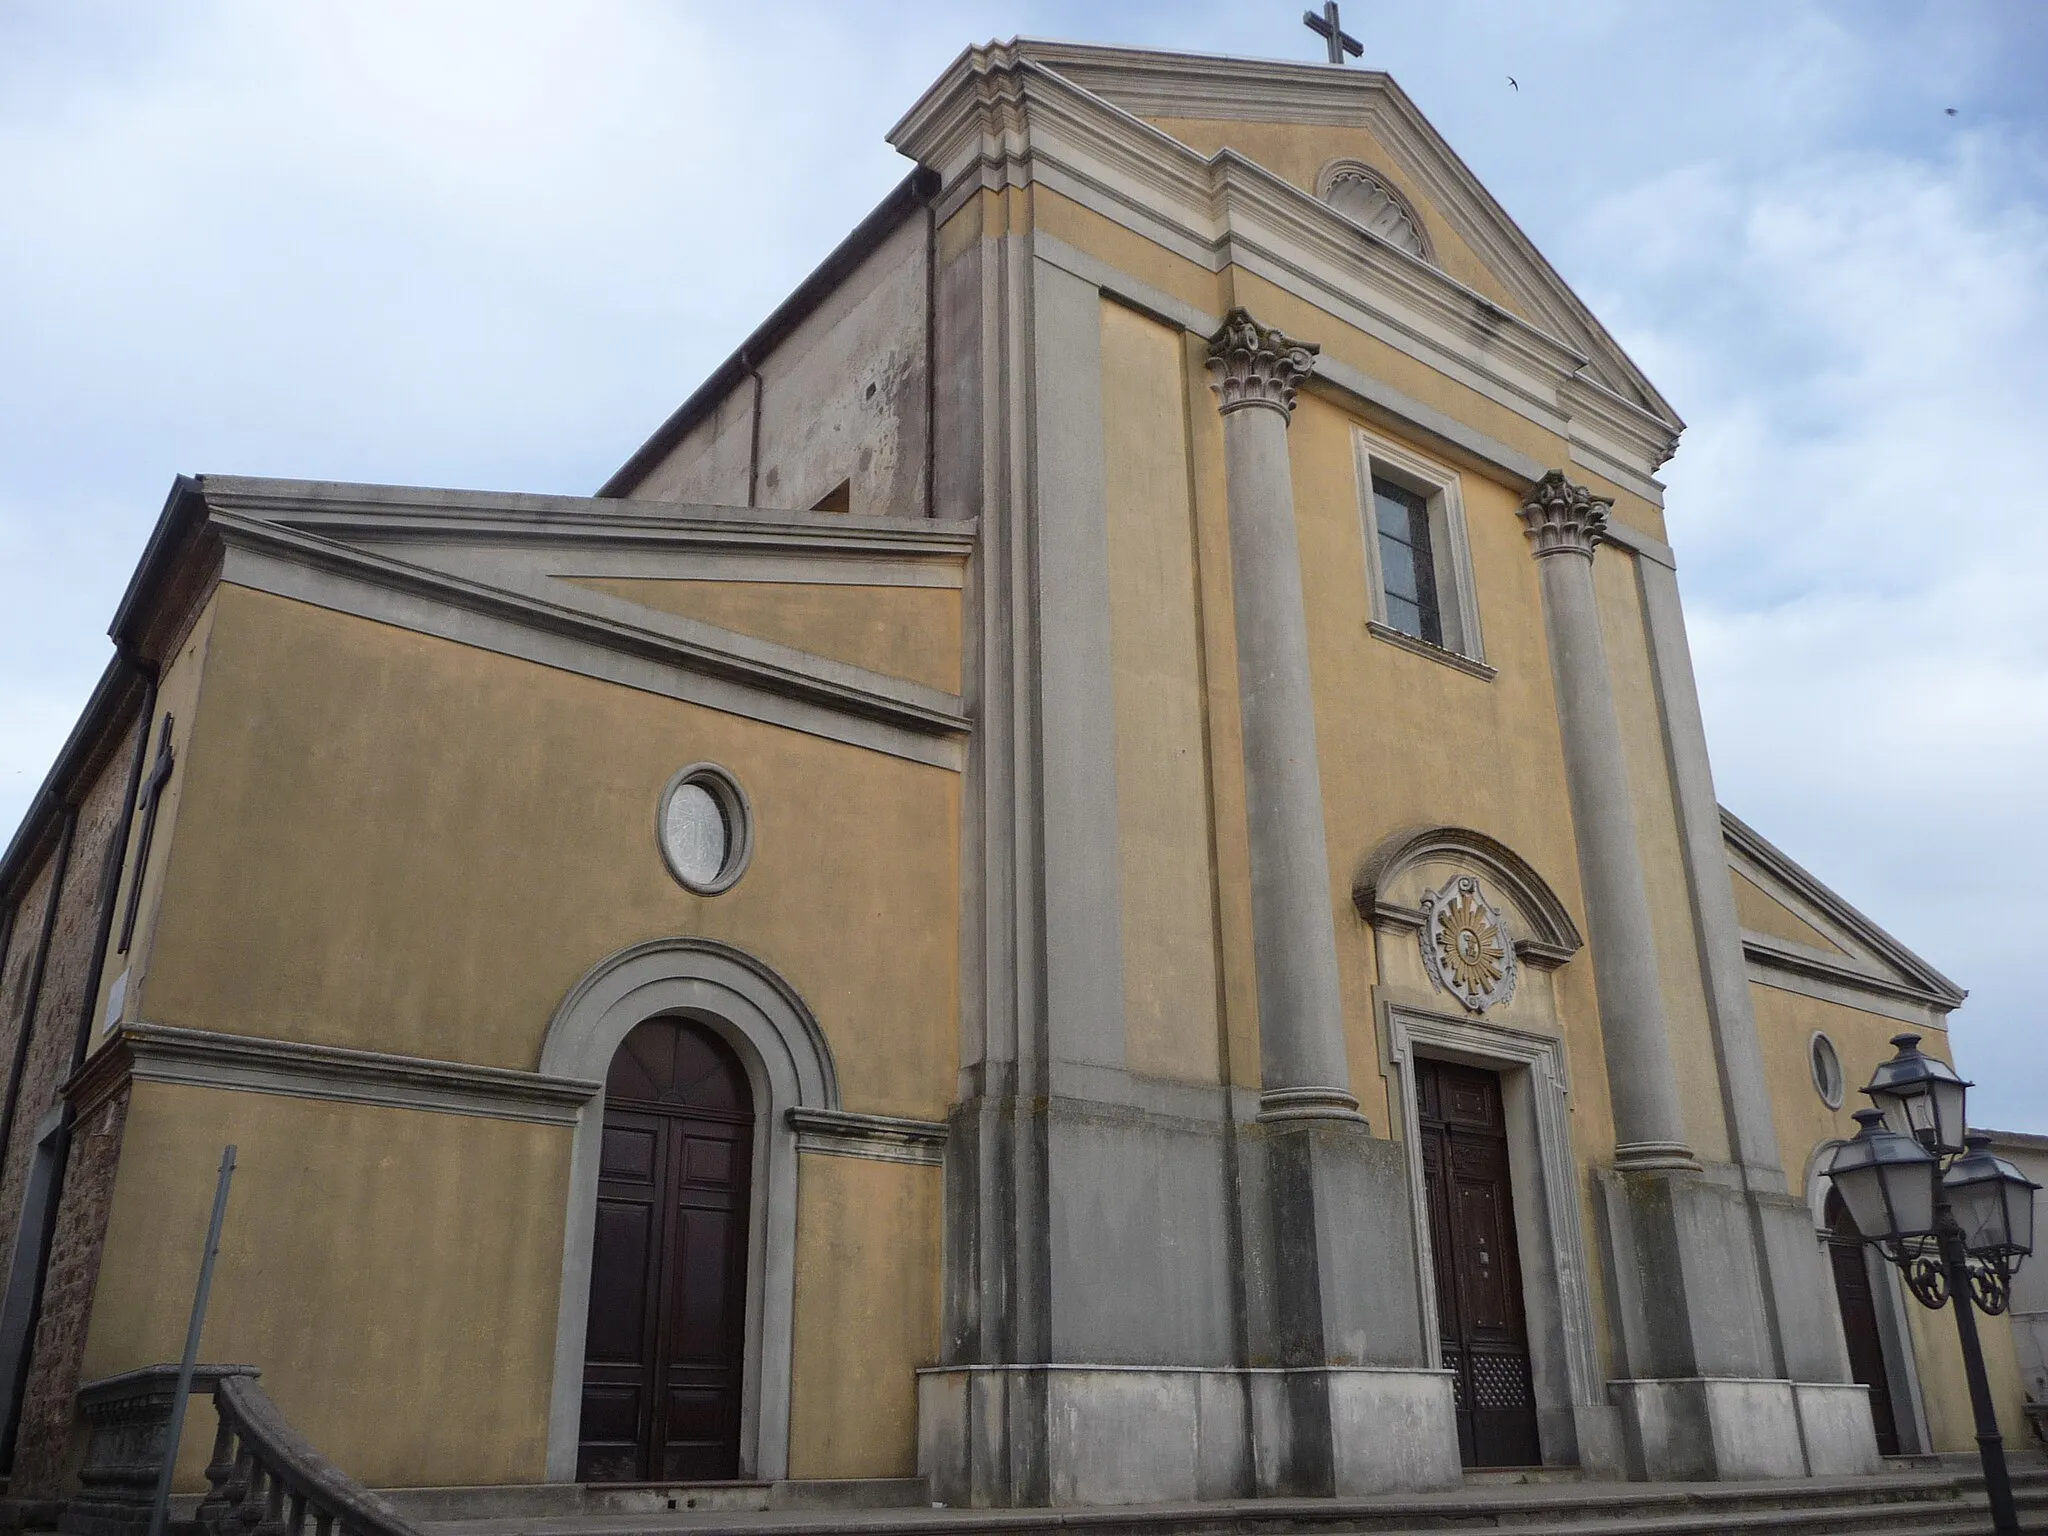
1752, 844
908, 195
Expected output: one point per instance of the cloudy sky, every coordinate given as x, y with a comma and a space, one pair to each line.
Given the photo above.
493, 244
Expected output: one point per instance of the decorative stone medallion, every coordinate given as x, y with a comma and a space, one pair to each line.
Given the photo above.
1465, 945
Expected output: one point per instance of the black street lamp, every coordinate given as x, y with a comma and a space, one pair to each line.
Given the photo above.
1955, 1219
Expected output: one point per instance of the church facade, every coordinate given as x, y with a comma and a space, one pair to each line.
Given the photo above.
1094, 877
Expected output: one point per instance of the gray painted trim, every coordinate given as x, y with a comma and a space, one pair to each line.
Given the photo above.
1083, 893
790, 1066
200, 1058
634, 655
1638, 543
521, 565
1543, 1057
883, 1138
1776, 955
1919, 1016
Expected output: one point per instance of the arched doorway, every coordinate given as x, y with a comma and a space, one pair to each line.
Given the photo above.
666, 1338
1859, 1321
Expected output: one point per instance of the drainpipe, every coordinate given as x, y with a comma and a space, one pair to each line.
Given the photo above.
753, 432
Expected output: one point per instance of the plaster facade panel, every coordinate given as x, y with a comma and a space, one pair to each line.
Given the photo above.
843, 399
712, 464
341, 746
867, 1314
1163, 843
1661, 847
908, 632
1407, 741
1762, 914
1297, 152
409, 1332
16, 979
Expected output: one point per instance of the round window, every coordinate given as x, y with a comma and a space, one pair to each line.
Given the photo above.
1827, 1069
705, 828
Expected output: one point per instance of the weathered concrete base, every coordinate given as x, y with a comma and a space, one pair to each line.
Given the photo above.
1697, 1429
1000, 1436
1834, 1421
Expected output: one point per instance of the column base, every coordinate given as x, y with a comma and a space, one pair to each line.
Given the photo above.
1006, 1436
1725, 1429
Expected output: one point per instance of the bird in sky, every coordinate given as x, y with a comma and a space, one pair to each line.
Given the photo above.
1518, 85
1951, 111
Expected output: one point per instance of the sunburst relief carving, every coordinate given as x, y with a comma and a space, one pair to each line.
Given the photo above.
1465, 945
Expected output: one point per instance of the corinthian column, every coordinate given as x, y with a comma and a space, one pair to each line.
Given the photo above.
1301, 1015
1564, 523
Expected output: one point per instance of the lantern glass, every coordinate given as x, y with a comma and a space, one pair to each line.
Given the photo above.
1993, 1202
1921, 1097
1886, 1181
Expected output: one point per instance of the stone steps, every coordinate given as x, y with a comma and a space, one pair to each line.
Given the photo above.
1892, 1504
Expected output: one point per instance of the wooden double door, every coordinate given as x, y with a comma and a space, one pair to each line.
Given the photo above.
1851, 1264
662, 1367
1478, 1269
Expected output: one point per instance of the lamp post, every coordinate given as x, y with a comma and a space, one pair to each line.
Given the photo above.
1955, 1219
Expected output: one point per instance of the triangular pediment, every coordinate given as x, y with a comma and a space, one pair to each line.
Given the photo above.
1791, 920
1305, 123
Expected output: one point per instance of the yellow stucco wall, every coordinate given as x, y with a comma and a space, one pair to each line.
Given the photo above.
908, 632
393, 1272
332, 750
1759, 911
867, 1314
1169, 913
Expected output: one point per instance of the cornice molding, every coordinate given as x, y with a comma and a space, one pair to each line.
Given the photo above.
1776, 954
1562, 518
1555, 937
1253, 364
883, 1138
199, 1058
1000, 119
1135, 84
705, 650
1925, 984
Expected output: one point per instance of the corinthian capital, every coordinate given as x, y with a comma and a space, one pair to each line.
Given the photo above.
1562, 518
1256, 365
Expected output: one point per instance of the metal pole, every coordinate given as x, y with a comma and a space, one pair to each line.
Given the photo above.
160, 1506
1990, 1444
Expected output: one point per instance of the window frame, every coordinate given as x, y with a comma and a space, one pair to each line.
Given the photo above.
1457, 599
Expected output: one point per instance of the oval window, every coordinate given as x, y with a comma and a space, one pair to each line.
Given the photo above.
1827, 1070
704, 828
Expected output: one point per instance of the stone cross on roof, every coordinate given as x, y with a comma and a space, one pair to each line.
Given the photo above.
1331, 30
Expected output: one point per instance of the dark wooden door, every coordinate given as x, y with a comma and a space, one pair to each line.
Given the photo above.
1478, 1270
662, 1359
1859, 1322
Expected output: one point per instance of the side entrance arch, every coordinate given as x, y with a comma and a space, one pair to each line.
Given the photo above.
664, 1353
714, 996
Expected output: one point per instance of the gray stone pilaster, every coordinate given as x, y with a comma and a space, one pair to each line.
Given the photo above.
1294, 934
1333, 1330
1565, 523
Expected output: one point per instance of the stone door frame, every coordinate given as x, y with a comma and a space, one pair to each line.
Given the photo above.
1564, 1362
